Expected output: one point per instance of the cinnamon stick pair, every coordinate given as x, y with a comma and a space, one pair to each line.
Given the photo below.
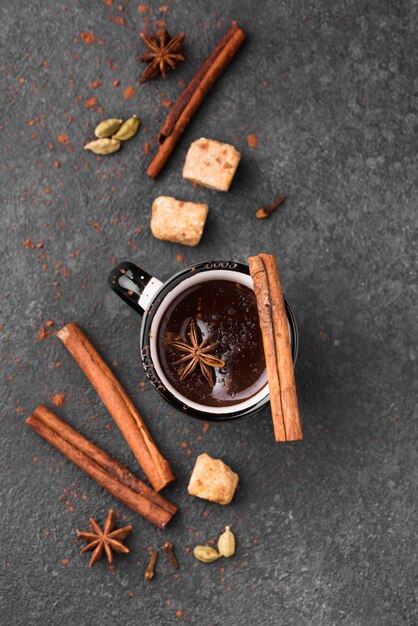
277, 347
193, 96
119, 405
107, 472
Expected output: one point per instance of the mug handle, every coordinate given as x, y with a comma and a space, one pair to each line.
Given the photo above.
135, 286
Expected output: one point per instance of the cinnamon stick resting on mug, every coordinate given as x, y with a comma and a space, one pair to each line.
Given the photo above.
277, 347
119, 405
193, 96
107, 472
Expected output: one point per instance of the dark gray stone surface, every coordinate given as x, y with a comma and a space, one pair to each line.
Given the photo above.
326, 528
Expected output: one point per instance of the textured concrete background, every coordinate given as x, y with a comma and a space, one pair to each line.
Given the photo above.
326, 528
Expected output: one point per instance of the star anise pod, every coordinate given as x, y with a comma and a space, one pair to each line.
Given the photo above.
164, 53
197, 353
105, 540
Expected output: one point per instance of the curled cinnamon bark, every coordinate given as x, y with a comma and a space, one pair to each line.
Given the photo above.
119, 405
277, 347
193, 96
107, 472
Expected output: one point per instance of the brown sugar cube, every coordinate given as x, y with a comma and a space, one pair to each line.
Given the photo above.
213, 480
211, 164
177, 221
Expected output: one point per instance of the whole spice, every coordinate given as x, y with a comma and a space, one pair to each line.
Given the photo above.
101, 467
119, 405
128, 129
277, 347
165, 52
103, 146
149, 572
169, 550
226, 543
104, 540
268, 210
190, 100
197, 353
206, 554
107, 128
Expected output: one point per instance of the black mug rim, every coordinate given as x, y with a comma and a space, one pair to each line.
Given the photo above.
145, 350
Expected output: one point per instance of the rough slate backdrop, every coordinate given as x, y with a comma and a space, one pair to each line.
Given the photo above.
326, 528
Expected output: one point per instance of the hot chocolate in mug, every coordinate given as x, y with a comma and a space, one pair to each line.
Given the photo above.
200, 340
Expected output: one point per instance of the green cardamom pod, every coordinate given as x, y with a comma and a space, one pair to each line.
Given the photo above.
107, 128
128, 129
103, 146
226, 543
206, 554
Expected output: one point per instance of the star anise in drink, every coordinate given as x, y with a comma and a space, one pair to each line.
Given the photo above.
164, 53
197, 353
104, 540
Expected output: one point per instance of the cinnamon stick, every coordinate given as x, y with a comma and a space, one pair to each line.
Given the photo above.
187, 93
193, 96
107, 472
119, 405
277, 348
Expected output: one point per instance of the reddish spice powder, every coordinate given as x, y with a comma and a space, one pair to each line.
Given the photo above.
87, 37
117, 19
129, 92
58, 399
91, 103
63, 138
94, 84
252, 141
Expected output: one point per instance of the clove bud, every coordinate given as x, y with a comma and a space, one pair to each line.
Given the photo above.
169, 550
149, 572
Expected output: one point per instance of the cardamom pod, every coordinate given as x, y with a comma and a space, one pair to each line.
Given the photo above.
226, 543
103, 146
206, 554
107, 128
128, 129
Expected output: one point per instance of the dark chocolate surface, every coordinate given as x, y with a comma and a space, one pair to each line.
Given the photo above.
226, 315
326, 528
